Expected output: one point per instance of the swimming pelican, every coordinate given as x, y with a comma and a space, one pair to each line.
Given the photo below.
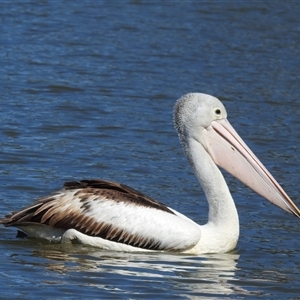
116, 217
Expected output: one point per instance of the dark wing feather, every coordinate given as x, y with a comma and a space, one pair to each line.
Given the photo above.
128, 193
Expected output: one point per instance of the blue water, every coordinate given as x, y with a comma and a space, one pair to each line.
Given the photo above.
87, 91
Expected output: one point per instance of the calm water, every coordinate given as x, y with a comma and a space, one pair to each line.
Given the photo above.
87, 91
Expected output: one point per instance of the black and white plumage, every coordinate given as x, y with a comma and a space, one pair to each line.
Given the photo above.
116, 217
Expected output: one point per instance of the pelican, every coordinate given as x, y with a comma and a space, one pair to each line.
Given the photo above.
115, 217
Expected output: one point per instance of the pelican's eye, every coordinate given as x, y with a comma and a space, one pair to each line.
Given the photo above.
218, 112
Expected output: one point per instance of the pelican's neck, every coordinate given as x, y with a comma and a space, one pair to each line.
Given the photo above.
222, 210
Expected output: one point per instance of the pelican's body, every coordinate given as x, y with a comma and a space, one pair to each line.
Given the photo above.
115, 217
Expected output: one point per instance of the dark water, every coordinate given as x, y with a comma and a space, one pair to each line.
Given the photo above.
87, 91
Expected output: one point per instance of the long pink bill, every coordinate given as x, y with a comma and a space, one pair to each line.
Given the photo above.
230, 152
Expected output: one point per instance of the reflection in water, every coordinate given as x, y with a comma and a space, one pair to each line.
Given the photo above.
183, 275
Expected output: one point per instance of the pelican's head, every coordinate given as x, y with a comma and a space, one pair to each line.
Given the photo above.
194, 112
